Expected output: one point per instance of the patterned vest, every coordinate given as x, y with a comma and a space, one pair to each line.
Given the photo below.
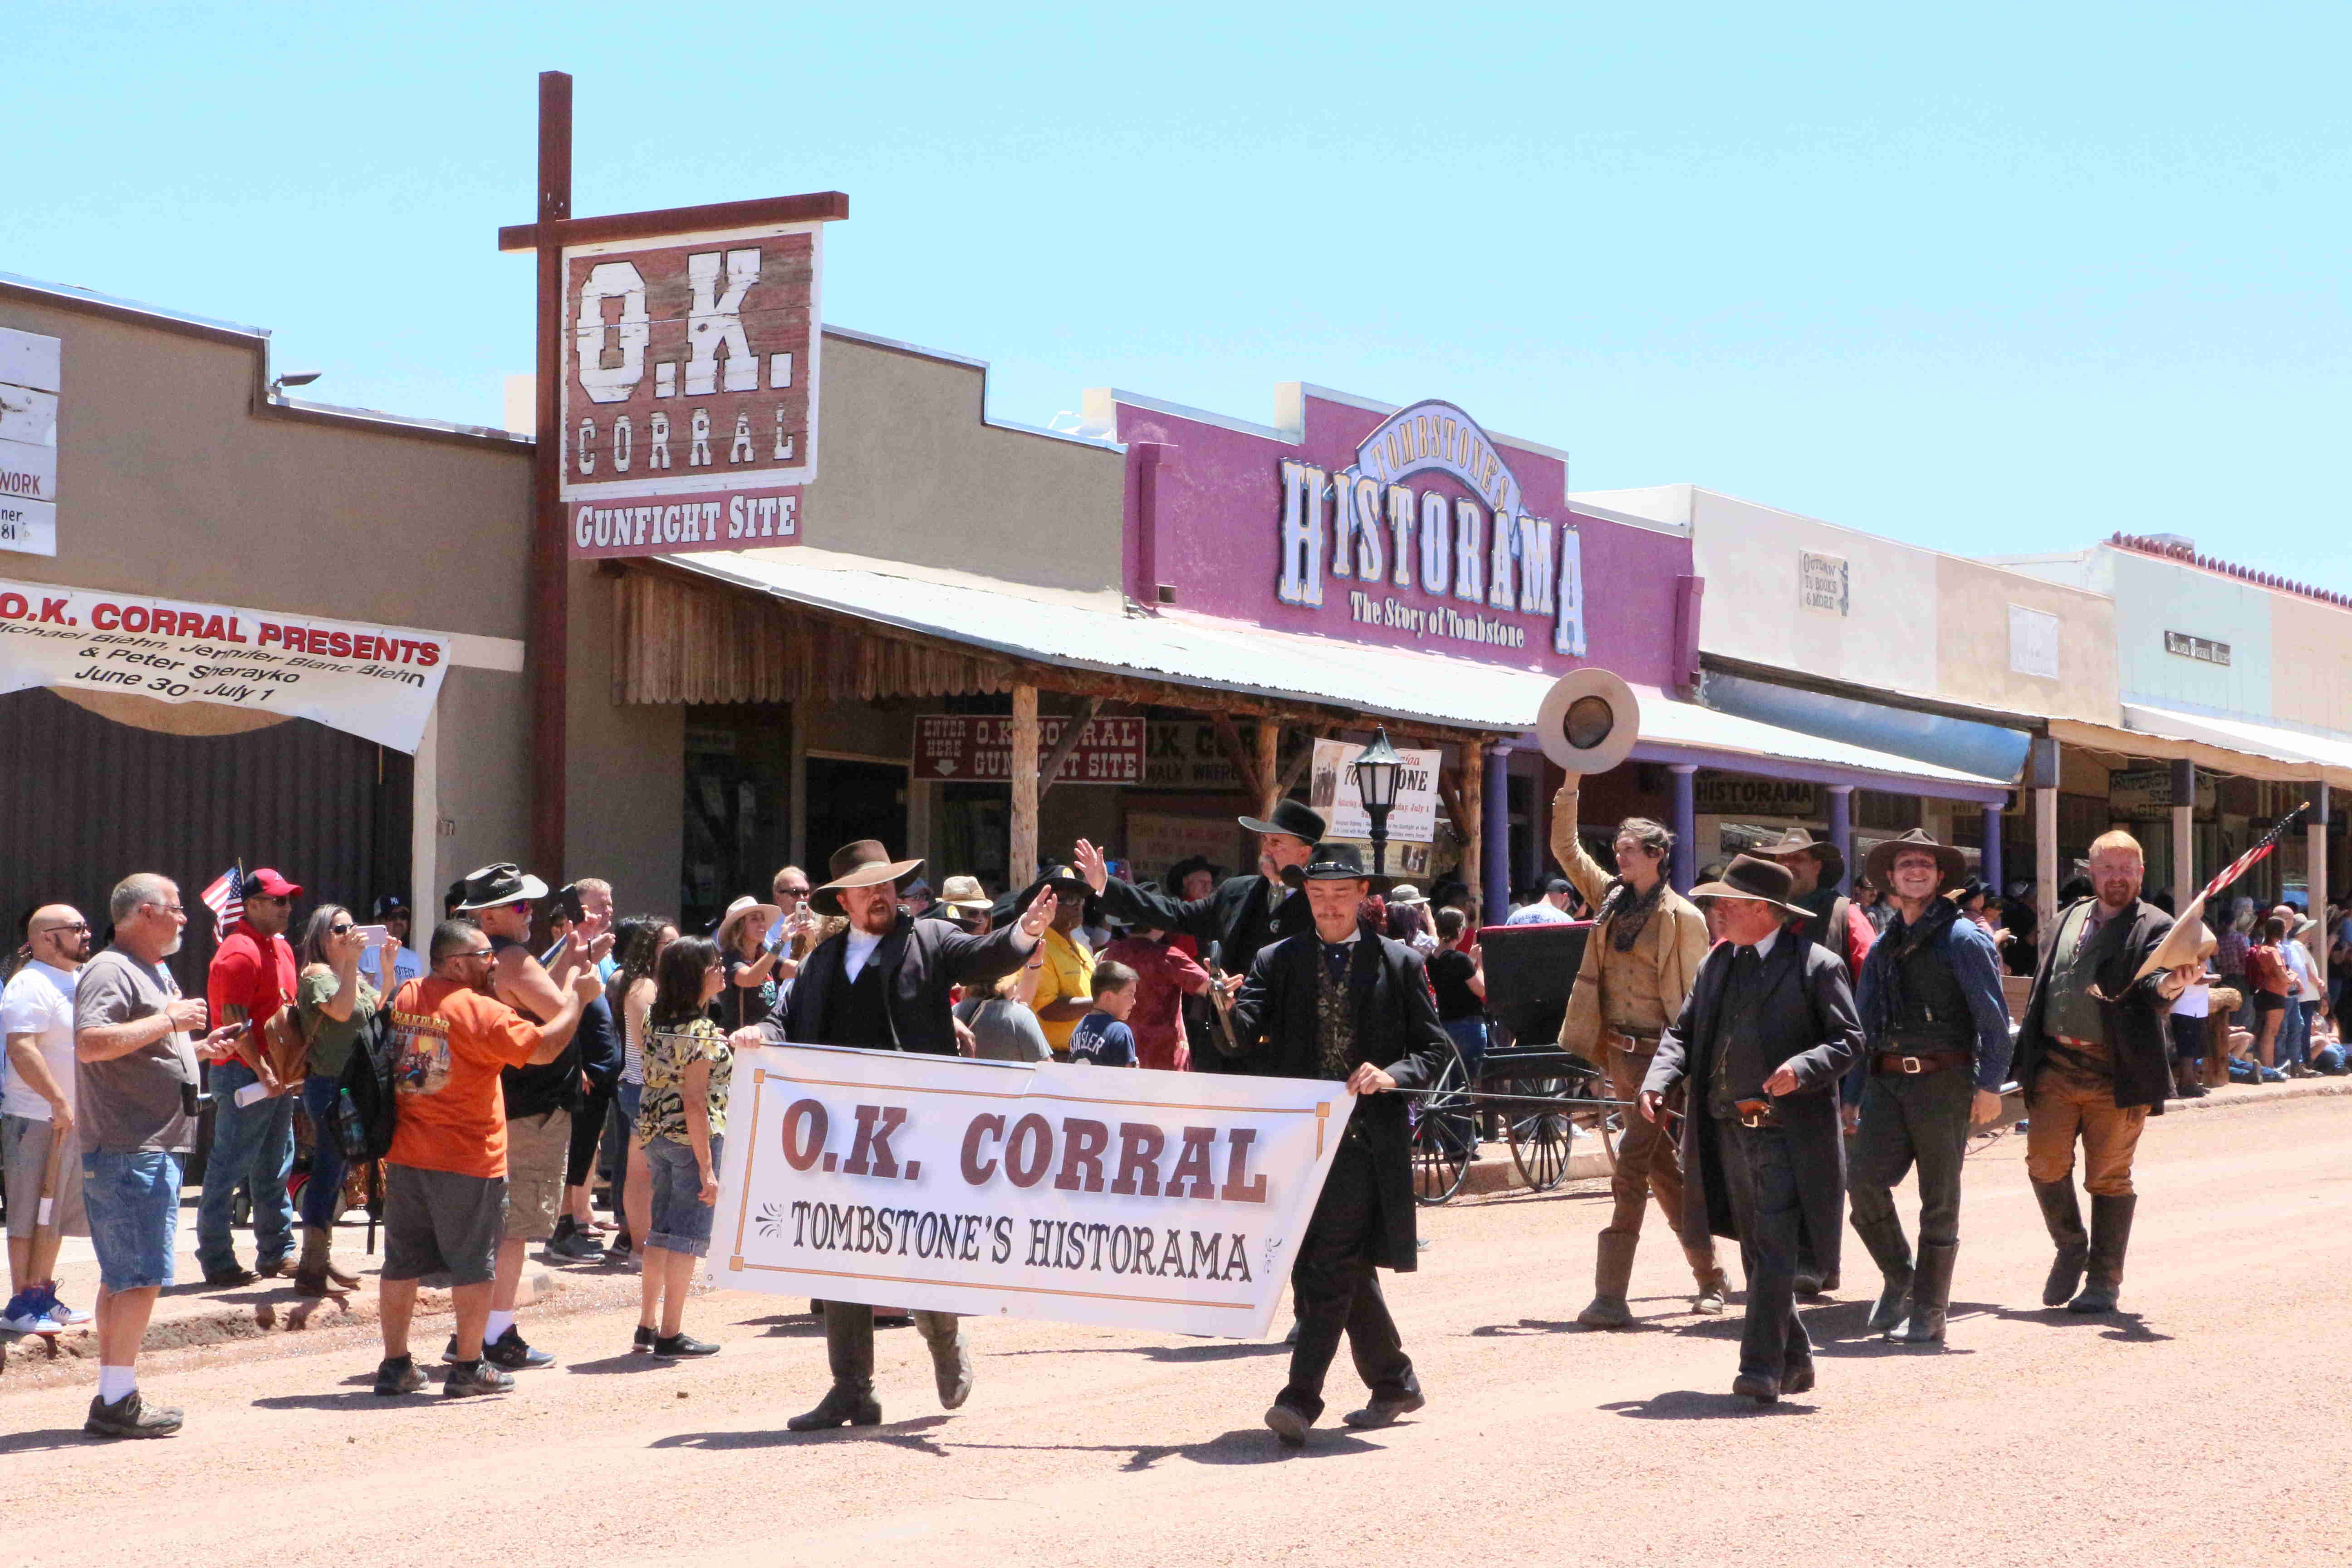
1335, 1021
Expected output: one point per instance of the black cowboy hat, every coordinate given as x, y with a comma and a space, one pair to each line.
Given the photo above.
1173, 880
1750, 877
862, 864
1295, 817
1879, 864
1339, 861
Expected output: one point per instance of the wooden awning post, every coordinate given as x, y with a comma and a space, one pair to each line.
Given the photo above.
1022, 866
1269, 744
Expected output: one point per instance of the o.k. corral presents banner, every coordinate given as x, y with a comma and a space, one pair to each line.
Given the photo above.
1120, 1196
377, 682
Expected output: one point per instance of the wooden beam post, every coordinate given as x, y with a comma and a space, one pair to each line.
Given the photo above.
1306, 755
1048, 770
1022, 866
1269, 748
549, 624
1472, 822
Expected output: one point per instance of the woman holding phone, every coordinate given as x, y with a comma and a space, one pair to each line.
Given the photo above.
332, 1003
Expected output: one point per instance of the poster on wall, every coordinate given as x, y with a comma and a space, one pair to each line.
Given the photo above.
31, 378
689, 389
1162, 1201
1332, 792
376, 682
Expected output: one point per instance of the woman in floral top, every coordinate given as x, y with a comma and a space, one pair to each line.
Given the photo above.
681, 1123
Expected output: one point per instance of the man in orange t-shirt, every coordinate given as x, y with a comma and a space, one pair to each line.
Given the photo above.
446, 1176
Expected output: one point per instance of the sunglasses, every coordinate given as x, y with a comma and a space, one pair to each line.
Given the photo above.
341, 928
81, 927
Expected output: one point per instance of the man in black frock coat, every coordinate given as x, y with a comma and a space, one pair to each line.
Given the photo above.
1243, 916
1343, 1003
1765, 1033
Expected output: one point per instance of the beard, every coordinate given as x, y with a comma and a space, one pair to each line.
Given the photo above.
174, 946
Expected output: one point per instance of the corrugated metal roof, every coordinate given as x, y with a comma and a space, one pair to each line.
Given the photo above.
1188, 649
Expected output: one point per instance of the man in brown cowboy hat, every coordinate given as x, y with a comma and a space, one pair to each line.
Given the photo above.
1816, 869
1645, 948
1938, 1032
1245, 914
1767, 1031
882, 982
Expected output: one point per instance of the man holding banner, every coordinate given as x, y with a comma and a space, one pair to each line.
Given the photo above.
1344, 1004
883, 984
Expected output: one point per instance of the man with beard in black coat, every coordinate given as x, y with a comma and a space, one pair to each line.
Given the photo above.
882, 983
1343, 1003
1244, 915
1765, 1033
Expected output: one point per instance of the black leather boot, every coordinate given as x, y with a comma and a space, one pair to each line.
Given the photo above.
1883, 1239
1931, 1296
2111, 1222
2063, 1217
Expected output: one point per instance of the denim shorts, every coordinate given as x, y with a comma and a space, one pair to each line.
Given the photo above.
131, 1199
681, 1220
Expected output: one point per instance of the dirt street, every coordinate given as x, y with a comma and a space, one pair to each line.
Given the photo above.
2205, 1425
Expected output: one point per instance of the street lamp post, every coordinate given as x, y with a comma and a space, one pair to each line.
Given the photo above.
1375, 773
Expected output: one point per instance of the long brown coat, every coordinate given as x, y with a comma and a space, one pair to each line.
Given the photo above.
1682, 935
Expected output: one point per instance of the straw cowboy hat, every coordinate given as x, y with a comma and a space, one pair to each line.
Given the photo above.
1748, 877
1404, 895
965, 893
1879, 864
769, 914
862, 864
1796, 841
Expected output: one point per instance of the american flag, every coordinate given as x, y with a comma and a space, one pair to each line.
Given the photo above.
2253, 857
226, 898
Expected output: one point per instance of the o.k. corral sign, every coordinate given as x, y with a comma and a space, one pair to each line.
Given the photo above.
688, 380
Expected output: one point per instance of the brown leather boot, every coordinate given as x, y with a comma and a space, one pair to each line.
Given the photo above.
1611, 1276
2062, 1214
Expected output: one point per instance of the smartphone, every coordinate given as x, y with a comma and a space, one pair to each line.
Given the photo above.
373, 936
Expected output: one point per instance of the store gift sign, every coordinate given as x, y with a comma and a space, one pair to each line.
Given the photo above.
378, 682
31, 380
978, 747
1450, 559
689, 400
1163, 1201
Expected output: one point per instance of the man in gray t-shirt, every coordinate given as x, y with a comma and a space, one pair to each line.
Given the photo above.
135, 1078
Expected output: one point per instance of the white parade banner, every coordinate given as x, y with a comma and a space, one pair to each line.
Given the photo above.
377, 682
1124, 1197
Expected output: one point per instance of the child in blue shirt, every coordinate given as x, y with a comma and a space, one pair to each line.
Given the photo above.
1102, 1036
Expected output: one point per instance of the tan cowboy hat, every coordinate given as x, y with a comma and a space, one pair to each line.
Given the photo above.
862, 864
1796, 841
769, 914
1879, 864
965, 893
1404, 895
2190, 941
1748, 877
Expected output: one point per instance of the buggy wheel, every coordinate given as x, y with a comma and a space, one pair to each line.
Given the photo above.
1444, 1131
1538, 1134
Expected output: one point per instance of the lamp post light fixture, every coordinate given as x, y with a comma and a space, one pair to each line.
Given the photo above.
278, 385
1376, 771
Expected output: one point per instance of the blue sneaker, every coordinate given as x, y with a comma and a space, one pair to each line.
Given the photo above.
59, 1313
23, 1315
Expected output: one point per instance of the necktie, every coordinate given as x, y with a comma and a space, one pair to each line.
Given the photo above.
1335, 958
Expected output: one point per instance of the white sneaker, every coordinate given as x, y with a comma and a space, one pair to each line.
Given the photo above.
31, 1321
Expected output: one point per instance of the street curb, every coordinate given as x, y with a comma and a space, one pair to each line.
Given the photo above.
2240, 1095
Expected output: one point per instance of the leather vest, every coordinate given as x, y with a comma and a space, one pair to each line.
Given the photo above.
857, 1012
1931, 1011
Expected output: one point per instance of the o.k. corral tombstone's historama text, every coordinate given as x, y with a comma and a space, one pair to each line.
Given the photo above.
1149, 1200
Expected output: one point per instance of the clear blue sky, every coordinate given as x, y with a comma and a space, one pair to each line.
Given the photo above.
1995, 279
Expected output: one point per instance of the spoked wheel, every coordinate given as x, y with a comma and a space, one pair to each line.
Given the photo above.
1538, 1134
1444, 1133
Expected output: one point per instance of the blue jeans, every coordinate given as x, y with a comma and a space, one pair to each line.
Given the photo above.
323, 1194
253, 1140
131, 1199
2294, 1041
680, 1220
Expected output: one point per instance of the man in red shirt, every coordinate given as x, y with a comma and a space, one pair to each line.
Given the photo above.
446, 1174
1165, 974
252, 976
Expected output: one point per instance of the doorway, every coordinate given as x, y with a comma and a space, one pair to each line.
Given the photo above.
849, 799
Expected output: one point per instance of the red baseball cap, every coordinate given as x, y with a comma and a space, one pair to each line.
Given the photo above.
271, 885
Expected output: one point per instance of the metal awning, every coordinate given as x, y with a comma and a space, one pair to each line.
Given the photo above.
2236, 746
1182, 648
